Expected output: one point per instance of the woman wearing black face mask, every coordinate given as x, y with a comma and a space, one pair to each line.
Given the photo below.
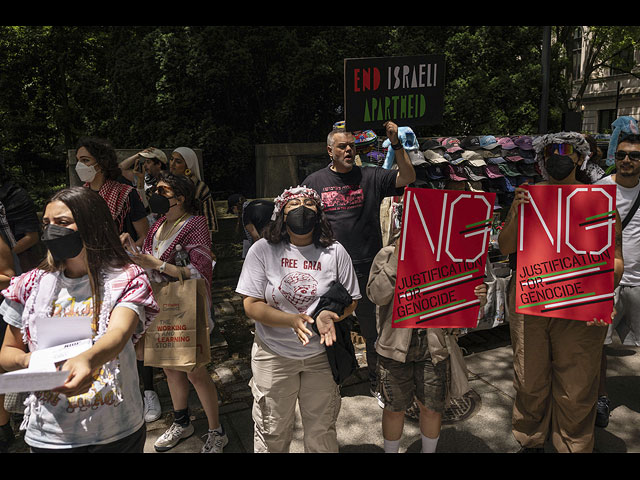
284, 276
178, 225
554, 354
87, 276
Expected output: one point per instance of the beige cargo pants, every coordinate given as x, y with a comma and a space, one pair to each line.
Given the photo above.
556, 366
277, 384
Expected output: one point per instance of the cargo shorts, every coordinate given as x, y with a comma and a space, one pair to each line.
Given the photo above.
400, 383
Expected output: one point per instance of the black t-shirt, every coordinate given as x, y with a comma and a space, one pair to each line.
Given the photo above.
258, 213
352, 206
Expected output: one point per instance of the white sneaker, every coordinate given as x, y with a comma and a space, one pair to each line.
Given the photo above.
152, 409
215, 442
172, 436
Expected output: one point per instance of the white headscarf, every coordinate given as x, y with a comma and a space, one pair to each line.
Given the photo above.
191, 159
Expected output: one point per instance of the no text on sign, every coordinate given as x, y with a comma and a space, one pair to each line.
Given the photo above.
406, 90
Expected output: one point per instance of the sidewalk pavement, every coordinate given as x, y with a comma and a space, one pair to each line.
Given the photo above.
479, 423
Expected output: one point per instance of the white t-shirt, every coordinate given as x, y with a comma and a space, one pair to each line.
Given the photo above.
631, 234
94, 417
292, 279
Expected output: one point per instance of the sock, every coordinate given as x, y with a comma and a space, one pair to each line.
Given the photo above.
429, 444
181, 417
220, 430
391, 446
146, 374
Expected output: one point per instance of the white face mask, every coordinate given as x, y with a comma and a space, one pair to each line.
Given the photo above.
86, 173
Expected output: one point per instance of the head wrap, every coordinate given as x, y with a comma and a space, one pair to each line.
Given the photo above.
191, 159
572, 138
622, 127
294, 192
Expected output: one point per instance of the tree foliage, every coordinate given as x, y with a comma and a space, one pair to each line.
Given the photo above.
225, 89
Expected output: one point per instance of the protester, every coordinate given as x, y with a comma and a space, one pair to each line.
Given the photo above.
626, 322
413, 363
554, 355
178, 225
86, 274
8, 260
98, 169
143, 170
352, 196
23, 221
282, 279
253, 217
184, 161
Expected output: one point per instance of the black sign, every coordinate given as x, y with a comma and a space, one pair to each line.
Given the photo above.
406, 90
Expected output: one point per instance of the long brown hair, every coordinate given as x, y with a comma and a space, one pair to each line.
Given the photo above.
99, 236
276, 231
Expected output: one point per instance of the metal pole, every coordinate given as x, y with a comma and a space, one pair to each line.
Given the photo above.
617, 98
546, 63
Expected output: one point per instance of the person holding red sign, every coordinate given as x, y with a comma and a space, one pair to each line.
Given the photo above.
413, 363
352, 196
556, 361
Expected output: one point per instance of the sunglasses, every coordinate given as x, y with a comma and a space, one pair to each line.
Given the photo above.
621, 155
562, 148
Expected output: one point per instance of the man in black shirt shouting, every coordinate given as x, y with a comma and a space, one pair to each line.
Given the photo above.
352, 196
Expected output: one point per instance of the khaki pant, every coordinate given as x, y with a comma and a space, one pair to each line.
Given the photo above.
557, 368
277, 384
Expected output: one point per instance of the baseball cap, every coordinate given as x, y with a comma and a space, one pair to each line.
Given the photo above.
506, 143
155, 153
470, 143
488, 142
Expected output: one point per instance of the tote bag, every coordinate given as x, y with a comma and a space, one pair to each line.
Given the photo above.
178, 338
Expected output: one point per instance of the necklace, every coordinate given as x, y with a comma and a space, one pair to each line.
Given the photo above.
161, 237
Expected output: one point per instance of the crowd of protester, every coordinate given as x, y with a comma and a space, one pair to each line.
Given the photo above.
316, 267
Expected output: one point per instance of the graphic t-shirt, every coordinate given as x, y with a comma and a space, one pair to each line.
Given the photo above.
292, 279
95, 417
631, 234
352, 206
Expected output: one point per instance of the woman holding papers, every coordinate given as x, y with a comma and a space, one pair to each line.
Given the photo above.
89, 281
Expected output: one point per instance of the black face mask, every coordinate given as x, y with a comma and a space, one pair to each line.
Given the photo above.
301, 220
159, 204
62, 242
559, 166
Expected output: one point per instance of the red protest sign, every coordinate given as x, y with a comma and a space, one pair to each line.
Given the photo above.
566, 252
441, 258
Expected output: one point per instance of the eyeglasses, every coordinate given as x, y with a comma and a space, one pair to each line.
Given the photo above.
562, 148
621, 155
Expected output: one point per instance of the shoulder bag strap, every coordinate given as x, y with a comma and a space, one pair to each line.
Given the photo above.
632, 212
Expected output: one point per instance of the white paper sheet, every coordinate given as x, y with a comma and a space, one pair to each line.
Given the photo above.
54, 331
42, 374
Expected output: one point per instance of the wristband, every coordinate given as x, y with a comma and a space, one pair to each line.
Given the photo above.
397, 146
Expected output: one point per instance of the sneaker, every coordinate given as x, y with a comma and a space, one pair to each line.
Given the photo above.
172, 436
152, 409
215, 442
603, 409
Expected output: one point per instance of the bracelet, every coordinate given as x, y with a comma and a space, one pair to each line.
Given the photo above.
397, 146
162, 267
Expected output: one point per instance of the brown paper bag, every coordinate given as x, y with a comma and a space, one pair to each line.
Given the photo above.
178, 338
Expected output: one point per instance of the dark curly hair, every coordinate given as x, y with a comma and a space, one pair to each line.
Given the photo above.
276, 231
104, 153
184, 187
